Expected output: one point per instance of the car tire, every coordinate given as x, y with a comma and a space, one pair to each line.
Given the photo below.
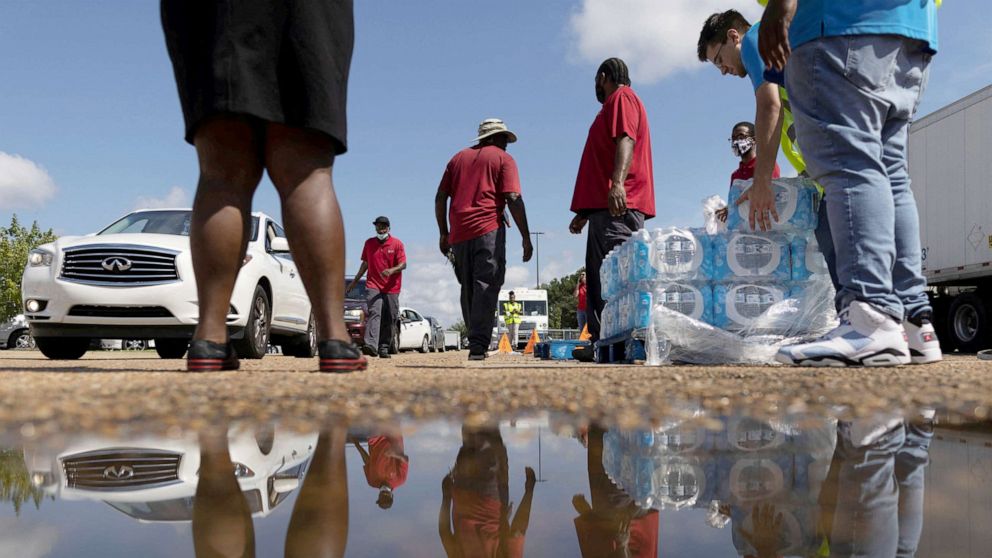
255, 342
171, 348
63, 348
968, 322
303, 346
133, 344
425, 345
394, 347
21, 339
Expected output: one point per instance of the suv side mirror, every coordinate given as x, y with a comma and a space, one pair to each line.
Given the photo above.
279, 244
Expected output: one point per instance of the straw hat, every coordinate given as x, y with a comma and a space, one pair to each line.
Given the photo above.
493, 126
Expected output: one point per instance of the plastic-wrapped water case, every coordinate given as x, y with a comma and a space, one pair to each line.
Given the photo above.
692, 298
737, 305
682, 253
640, 252
807, 259
740, 255
796, 201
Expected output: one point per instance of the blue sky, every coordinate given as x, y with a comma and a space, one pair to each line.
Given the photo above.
90, 125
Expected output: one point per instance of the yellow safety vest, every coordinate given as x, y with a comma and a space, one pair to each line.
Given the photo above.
512, 310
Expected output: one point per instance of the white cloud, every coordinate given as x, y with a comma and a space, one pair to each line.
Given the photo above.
175, 197
655, 38
23, 183
26, 541
430, 286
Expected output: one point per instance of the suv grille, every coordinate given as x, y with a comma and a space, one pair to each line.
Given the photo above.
120, 311
121, 469
120, 264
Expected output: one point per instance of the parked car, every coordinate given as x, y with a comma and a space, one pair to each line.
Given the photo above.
356, 310
415, 331
134, 280
14, 334
437, 335
122, 344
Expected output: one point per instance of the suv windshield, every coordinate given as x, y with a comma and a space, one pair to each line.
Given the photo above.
160, 222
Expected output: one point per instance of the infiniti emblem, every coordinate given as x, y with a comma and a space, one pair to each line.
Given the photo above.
116, 264
118, 472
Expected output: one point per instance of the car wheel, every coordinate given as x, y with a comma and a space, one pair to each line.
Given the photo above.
425, 345
62, 348
134, 344
171, 348
256, 336
21, 339
303, 346
394, 348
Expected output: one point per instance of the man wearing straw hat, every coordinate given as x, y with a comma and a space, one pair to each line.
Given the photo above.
480, 181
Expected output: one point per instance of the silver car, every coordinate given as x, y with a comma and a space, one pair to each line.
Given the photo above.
14, 334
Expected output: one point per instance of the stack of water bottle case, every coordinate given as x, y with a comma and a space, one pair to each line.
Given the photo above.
728, 281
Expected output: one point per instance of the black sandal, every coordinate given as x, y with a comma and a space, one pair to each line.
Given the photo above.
340, 357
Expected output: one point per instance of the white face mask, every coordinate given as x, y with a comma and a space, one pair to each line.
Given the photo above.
741, 146
382, 236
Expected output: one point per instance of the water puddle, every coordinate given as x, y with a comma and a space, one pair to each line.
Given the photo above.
697, 485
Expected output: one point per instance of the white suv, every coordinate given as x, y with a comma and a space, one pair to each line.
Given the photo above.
134, 280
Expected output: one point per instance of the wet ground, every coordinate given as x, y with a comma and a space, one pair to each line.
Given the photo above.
121, 454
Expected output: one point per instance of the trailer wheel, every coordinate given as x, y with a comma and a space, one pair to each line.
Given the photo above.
968, 323
941, 323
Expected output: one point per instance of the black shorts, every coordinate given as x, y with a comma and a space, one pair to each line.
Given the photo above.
284, 61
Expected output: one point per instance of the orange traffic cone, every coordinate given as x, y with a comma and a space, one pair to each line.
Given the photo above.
584, 336
504, 345
534, 340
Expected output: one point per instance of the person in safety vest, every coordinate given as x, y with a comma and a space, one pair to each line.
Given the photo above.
512, 310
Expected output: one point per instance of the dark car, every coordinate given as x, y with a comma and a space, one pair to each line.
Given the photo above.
355, 310
437, 335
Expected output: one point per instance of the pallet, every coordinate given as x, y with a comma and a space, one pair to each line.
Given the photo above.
621, 349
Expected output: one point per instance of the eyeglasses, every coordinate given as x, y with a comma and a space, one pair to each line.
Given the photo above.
717, 61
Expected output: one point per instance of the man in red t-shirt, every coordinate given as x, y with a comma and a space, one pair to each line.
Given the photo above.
481, 182
580, 294
743, 145
386, 466
385, 259
614, 189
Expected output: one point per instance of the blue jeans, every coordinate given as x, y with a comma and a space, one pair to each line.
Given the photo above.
580, 315
879, 492
853, 98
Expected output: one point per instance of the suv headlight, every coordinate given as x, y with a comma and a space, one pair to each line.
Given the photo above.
40, 258
354, 315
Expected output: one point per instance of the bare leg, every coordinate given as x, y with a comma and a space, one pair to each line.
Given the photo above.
300, 164
222, 525
230, 168
319, 524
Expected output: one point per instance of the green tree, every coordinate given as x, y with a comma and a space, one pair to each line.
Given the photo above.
460, 327
562, 301
15, 480
15, 243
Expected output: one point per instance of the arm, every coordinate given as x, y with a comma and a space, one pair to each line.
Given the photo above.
441, 214
617, 199
519, 213
393, 270
768, 130
773, 37
522, 518
361, 450
444, 519
361, 271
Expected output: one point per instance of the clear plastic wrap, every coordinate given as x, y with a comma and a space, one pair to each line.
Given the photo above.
711, 224
744, 255
807, 315
796, 202
682, 253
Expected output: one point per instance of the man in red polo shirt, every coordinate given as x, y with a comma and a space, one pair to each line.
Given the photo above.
481, 182
386, 466
385, 259
743, 145
614, 189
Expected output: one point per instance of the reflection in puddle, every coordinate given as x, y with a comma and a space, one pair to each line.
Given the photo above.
702, 485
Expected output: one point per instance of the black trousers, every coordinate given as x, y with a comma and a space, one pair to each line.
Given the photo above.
605, 233
480, 265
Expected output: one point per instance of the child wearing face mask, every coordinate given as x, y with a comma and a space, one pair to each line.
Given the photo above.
743, 145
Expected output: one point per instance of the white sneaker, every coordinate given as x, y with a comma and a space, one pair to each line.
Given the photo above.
924, 347
865, 337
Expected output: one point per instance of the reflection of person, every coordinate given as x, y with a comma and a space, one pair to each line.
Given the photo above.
512, 311
612, 525
855, 78
222, 524
481, 181
580, 307
262, 86
614, 189
385, 259
743, 145
386, 466
874, 494
474, 519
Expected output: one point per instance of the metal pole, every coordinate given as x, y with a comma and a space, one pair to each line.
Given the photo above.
537, 254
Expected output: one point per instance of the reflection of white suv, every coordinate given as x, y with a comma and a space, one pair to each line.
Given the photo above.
153, 478
415, 331
134, 280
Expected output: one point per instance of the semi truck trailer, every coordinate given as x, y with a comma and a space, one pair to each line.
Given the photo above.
950, 164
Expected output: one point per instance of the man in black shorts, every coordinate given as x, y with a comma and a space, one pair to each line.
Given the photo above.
263, 87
